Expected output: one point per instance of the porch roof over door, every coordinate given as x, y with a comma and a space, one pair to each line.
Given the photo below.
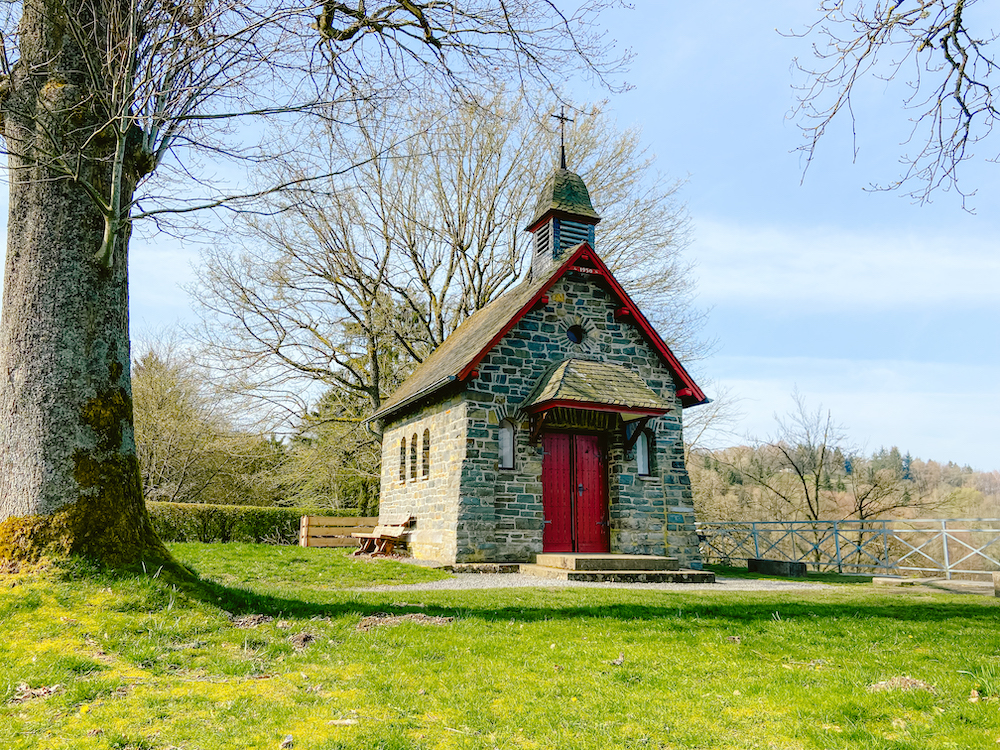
596, 386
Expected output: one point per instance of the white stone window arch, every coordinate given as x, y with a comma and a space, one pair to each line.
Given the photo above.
642, 451
506, 444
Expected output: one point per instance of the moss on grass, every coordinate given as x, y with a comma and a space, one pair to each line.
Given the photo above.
111, 526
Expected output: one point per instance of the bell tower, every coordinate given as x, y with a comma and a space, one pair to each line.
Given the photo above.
564, 217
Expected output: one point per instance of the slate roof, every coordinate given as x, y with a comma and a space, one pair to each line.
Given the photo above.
463, 345
588, 382
479, 333
564, 192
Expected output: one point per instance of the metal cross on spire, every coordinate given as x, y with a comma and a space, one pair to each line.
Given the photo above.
563, 119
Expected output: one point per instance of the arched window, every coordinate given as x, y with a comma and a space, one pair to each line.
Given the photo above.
642, 454
413, 457
427, 454
402, 460
506, 444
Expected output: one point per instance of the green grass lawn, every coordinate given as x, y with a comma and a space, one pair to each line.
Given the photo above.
268, 569
94, 661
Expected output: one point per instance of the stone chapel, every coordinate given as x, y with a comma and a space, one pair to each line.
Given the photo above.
549, 421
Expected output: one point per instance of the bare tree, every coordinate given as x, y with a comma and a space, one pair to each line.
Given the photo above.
353, 285
875, 491
808, 471
189, 441
465, 42
794, 471
940, 50
878, 491
988, 483
797, 464
175, 429
331, 462
711, 421
97, 98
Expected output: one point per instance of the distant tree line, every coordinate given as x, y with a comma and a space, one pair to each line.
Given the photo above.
808, 471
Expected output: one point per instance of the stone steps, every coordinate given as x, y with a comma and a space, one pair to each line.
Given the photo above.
572, 561
621, 576
599, 568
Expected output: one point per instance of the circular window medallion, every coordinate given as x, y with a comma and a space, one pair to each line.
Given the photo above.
576, 334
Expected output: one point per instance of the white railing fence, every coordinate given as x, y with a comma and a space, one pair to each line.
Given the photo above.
928, 547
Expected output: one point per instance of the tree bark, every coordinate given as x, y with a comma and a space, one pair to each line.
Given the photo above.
69, 476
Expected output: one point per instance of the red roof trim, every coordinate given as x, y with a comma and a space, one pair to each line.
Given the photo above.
697, 395
595, 406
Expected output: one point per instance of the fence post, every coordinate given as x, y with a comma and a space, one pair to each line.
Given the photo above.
836, 546
885, 547
944, 543
756, 545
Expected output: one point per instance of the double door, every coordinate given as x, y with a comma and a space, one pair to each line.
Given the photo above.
574, 493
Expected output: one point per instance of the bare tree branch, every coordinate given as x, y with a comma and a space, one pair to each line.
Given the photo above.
355, 285
934, 49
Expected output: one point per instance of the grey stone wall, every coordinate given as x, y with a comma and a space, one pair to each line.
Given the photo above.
433, 501
471, 510
476, 523
649, 515
655, 512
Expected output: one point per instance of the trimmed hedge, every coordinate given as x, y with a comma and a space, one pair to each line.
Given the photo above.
201, 522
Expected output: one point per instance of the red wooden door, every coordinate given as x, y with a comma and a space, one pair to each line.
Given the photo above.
574, 494
591, 504
557, 492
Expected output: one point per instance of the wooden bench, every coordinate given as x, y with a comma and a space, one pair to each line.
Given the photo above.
332, 531
383, 540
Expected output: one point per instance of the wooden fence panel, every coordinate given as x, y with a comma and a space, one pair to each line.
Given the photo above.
334, 531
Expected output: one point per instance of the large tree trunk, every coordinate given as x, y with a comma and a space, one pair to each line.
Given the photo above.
69, 477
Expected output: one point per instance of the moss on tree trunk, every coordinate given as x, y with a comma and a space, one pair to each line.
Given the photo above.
69, 477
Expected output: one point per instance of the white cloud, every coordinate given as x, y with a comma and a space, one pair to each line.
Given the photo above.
936, 411
830, 268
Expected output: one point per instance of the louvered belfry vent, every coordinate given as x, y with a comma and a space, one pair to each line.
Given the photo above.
572, 233
564, 217
543, 240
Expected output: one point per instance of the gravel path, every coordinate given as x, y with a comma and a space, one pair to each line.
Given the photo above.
466, 581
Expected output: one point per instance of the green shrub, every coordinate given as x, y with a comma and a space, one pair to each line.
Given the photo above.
202, 522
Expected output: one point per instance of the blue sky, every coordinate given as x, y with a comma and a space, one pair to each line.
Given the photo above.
880, 310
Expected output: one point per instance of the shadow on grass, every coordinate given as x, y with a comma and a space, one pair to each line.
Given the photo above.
564, 604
